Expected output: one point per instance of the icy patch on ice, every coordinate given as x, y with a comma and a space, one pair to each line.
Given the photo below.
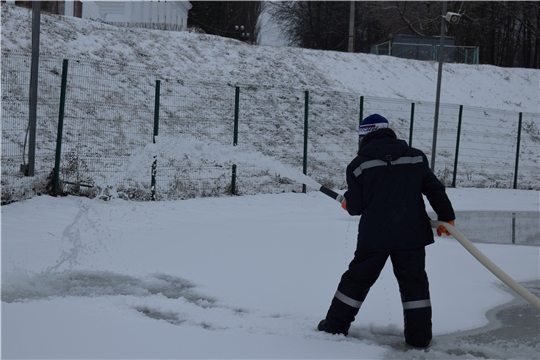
159, 296
514, 333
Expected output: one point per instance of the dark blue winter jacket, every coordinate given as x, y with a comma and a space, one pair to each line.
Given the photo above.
385, 185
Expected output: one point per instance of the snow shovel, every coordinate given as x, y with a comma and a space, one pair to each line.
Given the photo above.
483, 259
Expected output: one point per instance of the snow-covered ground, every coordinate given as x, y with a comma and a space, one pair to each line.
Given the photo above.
247, 276
234, 277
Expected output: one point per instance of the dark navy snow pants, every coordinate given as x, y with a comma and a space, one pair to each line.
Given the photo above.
409, 269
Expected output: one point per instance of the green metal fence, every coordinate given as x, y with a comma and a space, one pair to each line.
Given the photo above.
476, 147
15, 119
107, 120
452, 54
117, 131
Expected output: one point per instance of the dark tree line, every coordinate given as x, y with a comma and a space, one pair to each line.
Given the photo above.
221, 18
507, 32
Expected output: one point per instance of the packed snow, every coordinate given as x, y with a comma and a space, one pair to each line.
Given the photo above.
249, 276
235, 277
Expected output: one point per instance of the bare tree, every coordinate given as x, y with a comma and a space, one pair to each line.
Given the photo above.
507, 32
313, 24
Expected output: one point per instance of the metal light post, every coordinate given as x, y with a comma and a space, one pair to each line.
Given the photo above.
451, 18
438, 96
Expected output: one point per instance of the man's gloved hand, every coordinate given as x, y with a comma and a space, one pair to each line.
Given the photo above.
442, 230
344, 205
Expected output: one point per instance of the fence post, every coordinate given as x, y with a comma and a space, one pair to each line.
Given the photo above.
236, 111
457, 145
361, 117
411, 127
517, 150
513, 228
156, 131
306, 111
60, 128
233, 182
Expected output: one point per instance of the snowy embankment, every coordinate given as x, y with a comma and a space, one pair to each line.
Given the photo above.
197, 57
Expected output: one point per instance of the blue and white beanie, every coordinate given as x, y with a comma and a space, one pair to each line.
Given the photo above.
372, 123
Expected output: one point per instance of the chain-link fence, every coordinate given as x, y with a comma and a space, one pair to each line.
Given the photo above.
190, 111
108, 119
476, 147
15, 124
429, 52
120, 132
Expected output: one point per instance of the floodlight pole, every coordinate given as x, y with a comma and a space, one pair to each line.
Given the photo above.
438, 96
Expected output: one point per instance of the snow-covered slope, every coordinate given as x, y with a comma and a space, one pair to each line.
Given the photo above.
211, 58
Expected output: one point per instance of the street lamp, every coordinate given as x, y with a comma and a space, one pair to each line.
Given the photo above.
242, 36
452, 18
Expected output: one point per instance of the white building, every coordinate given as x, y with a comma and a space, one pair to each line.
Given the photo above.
142, 12
67, 7
173, 13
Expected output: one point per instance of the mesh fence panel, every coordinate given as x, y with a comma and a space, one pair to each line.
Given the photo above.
271, 121
428, 52
487, 143
487, 153
203, 111
109, 124
15, 119
108, 121
333, 136
193, 110
255, 179
177, 179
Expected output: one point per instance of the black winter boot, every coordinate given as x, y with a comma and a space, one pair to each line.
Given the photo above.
322, 327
